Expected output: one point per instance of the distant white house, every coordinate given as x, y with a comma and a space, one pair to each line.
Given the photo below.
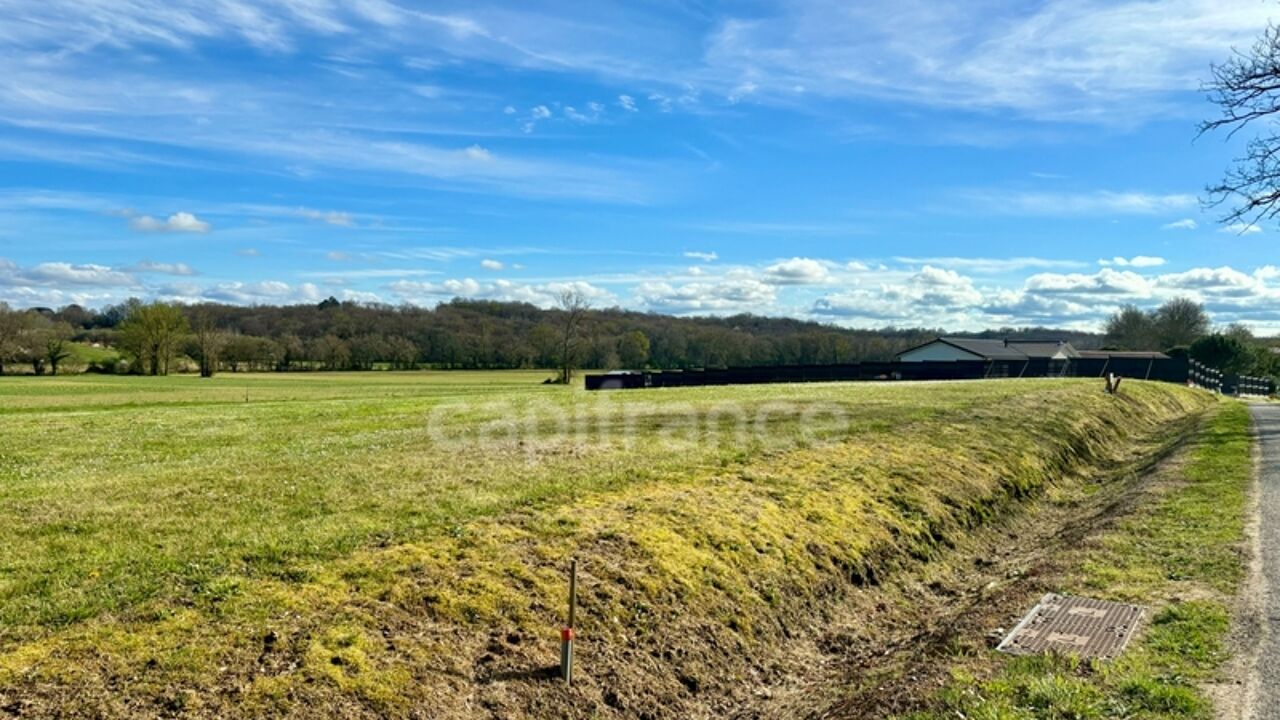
957, 348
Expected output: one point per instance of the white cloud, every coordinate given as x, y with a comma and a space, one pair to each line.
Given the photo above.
927, 297
592, 114
159, 268
1219, 280
1102, 202
264, 292
739, 293
338, 256
991, 266
1110, 62
937, 287
489, 264
703, 256
542, 295
61, 273
1184, 224
328, 217
1104, 282
359, 296
1241, 228
180, 222
537, 114
248, 252
1135, 261
628, 103
797, 271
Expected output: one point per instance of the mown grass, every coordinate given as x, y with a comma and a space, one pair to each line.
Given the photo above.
384, 526
1182, 558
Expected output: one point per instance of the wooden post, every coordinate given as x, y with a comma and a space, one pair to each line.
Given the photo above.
566, 635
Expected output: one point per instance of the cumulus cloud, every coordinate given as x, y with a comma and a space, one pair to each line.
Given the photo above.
797, 271
1135, 261
489, 264
159, 268
1103, 282
1220, 280
737, 292
263, 292
1184, 224
179, 222
59, 283
359, 296
926, 297
536, 114
703, 256
61, 273
465, 287
628, 103
542, 295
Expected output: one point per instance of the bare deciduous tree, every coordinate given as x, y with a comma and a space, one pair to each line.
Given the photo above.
1177, 323
11, 326
207, 342
1129, 328
55, 344
1247, 89
574, 306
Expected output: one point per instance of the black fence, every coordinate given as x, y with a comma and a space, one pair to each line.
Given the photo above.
1176, 370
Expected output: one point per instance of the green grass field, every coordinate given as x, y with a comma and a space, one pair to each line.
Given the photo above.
377, 543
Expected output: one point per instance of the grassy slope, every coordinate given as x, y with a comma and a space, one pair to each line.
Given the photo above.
315, 550
1181, 557
82, 354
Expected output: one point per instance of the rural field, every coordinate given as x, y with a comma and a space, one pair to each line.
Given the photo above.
397, 544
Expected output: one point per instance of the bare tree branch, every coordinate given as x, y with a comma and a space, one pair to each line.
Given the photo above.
1247, 89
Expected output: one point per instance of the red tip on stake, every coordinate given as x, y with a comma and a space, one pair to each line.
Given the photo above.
566, 634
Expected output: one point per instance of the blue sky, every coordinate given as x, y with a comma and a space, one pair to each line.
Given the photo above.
965, 165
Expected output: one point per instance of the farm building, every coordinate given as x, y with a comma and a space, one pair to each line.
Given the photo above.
1122, 354
1053, 357
957, 348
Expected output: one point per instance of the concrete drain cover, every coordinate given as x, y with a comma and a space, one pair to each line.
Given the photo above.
1074, 626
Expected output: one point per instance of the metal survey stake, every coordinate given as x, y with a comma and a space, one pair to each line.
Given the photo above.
566, 635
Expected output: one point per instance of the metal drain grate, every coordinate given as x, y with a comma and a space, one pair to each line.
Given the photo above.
1074, 626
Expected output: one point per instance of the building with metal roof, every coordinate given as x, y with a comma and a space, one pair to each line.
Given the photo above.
960, 348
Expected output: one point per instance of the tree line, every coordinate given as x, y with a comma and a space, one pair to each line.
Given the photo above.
156, 338
1182, 327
